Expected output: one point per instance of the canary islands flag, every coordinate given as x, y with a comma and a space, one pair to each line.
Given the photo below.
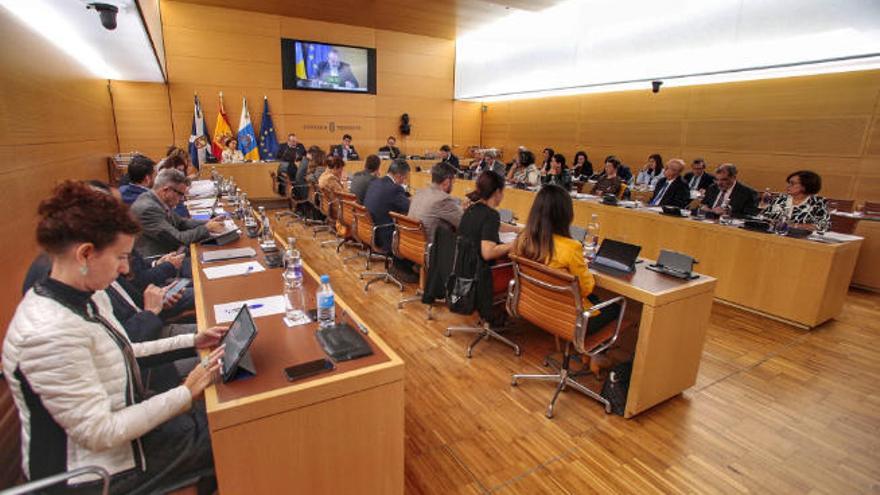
247, 140
222, 132
198, 139
268, 140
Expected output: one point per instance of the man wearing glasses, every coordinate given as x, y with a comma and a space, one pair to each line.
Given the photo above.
164, 230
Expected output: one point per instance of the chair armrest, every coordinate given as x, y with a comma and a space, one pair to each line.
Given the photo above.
605, 304
382, 226
498, 266
38, 485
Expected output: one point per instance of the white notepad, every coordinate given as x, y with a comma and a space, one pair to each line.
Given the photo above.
233, 270
261, 306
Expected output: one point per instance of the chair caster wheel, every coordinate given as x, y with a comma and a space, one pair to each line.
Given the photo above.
549, 413
447, 333
517, 352
514, 383
546, 363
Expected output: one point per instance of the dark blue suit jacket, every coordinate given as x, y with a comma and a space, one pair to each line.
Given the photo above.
383, 196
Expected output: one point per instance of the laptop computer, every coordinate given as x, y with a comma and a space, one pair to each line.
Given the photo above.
616, 258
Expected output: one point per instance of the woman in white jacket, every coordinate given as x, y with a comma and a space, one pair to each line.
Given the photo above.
74, 374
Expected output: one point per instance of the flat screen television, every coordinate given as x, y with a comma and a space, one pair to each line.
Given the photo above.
315, 66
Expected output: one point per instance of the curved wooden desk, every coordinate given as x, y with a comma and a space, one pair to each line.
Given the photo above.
800, 282
340, 432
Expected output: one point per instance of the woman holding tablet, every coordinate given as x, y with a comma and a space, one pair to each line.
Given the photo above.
74, 374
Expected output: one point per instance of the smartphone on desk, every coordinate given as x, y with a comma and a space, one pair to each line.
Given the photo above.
310, 368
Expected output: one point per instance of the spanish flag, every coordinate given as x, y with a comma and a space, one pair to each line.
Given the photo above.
222, 132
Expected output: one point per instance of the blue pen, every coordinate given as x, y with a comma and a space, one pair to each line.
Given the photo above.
255, 306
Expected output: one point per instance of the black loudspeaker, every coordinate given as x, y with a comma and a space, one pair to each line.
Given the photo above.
405, 128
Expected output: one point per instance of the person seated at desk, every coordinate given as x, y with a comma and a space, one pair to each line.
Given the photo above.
163, 229
697, 179
345, 150
446, 156
291, 151
671, 190
361, 180
490, 163
390, 148
523, 170
141, 172
433, 205
476, 161
386, 195
727, 192
547, 239
73, 373
582, 167
231, 153
331, 182
651, 172
608, 182
800, 206
179, 158
177, 161
481, 222
546, 156
558, 173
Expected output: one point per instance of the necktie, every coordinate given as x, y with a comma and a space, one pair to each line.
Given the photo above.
694, 181
720, 199
659, 196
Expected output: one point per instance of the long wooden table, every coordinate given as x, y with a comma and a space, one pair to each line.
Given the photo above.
340, 432
801, 282
252, 178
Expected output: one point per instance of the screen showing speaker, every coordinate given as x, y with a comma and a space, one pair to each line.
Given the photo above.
310, 65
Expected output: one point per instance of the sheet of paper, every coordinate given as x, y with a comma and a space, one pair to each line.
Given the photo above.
261, 306
200, 188
836, 236
228, 226
233, 270
199, 203
507, 237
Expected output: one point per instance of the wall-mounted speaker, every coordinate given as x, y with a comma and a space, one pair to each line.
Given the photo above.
405, 127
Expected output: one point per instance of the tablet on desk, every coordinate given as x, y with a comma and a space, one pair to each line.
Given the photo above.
617, 258
237, 340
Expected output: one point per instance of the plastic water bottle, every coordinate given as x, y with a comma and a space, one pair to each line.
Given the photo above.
326, 303
266, 237
591, 243
294, 296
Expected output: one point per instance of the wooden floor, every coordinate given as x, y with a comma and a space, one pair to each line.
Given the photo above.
775, 409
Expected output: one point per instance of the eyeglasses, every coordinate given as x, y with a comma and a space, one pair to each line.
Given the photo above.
179, 193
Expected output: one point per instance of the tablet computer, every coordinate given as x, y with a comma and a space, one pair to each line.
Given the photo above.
616, 257
237, 341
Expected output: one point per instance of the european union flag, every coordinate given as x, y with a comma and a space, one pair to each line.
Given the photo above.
268, 140
317, 53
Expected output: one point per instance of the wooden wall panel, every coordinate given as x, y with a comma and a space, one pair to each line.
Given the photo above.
466, 117
414, 76
56, 123
828, 123
143, 117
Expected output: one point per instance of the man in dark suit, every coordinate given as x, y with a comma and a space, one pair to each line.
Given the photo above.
446, 156
393, 151
697, 179
163, 229
336, 73
740, 198
671, 190
345, 150
385, 195
291, 151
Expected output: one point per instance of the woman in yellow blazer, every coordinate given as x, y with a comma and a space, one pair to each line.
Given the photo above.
546, 239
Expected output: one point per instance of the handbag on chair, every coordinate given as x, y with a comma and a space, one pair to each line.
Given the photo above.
461, 287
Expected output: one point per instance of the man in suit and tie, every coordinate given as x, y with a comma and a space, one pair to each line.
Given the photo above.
697, 179
390, 148
163, 229
446, 156
291, 151
336, 73
345, 150
490, 163
671, 190
741, 199
386, 195
433, 205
